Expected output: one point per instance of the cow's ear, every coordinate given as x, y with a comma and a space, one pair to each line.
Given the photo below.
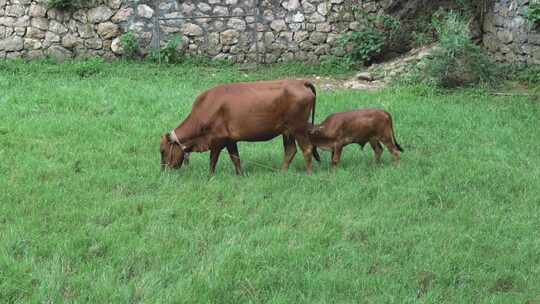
168, 137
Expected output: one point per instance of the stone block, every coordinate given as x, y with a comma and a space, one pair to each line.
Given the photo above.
57, 27
145, 11
23, 21
123, 15
505, 36
37, 10
70, 41
229, 37
99, 14
318, 37
278, 25
35, 33
59, 53
10, 44
34, 54
534, 38
237, 24
15, 10
40, 23
191, 29
32, 44
108, 30
93, 43
7, 21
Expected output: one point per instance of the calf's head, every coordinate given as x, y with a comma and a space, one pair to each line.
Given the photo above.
172, 155
315, 131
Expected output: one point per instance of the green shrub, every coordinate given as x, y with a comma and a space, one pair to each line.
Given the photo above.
89, 67
363, 45
380, 34
332, 64
60, 4
130, 45
523, 73
533, 13
458, 61
170, 53
71, 4
419, 39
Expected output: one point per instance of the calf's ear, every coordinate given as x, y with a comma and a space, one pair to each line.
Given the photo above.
315, 129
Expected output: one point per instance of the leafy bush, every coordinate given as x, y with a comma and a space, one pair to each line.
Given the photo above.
419, 39
458, 61
130, 45
364, 45
71, 4
88, 67
523, 73
533, 13
379, 35
332, 64
170, 53
60, 4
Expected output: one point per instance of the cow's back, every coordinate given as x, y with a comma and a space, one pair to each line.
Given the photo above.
255, 110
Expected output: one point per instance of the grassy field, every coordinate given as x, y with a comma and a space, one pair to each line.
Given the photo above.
86, 216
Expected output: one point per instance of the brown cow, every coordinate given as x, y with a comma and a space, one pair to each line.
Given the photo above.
255, 111
358, 126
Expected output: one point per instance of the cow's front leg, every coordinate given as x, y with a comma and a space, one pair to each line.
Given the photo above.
232, 148
214, 157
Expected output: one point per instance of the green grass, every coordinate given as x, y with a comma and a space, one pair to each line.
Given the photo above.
86, 216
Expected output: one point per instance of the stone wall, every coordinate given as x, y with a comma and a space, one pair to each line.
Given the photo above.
277, 30
508, 35
239, 30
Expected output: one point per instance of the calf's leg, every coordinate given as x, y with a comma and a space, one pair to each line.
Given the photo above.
391, 146
289, 144
336, 156
232, 148
377, 148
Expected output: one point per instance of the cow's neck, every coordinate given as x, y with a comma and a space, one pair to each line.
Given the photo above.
187, 130
189, 133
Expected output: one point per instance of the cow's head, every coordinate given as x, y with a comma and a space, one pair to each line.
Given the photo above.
172, 153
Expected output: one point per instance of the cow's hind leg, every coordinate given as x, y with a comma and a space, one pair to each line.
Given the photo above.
307, 150
232, 148
377, 149
289, 144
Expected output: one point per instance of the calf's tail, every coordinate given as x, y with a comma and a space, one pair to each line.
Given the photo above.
394, 134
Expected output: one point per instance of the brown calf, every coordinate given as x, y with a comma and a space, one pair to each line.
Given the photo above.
255, 111
358, 126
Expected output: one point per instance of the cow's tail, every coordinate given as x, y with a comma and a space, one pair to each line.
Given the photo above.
394, 134
310, 86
